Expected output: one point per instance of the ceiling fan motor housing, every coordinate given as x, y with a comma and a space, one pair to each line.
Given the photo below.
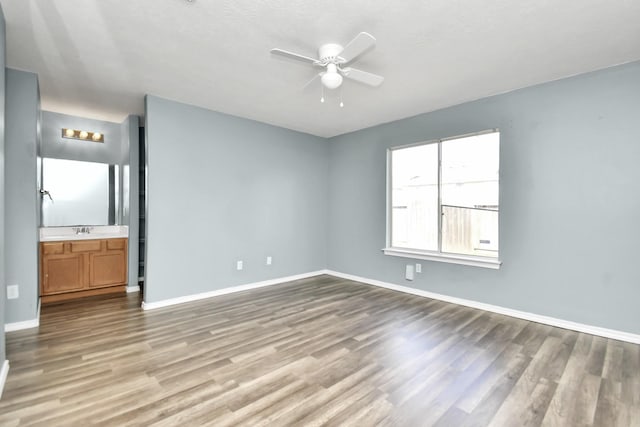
328, 53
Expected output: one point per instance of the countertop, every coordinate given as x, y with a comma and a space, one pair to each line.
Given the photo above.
53, 234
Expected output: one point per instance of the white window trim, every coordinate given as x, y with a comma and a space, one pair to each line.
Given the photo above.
470, 260
474, 261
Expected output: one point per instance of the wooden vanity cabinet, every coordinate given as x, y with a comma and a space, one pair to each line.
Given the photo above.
77, 268
62, 273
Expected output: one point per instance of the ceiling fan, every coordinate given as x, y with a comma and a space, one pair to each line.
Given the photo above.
334, 59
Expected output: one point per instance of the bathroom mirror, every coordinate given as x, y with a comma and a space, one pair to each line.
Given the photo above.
79, 193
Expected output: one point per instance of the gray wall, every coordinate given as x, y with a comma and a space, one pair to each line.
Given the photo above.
54, 146
220, 189
21, 208
569, 204
2, 185
130, 159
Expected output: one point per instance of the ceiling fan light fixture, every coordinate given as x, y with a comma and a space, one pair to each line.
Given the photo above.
331, 79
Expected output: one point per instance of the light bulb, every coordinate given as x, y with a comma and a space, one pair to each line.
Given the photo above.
331, 79
322, 99
341, 104
84, 134
69, 133
96, 136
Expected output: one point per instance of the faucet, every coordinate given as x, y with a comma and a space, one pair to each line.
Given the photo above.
82, 230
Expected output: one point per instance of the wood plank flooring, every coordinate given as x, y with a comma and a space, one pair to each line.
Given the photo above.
319, 351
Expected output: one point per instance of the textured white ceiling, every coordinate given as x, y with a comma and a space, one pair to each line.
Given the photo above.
97, 58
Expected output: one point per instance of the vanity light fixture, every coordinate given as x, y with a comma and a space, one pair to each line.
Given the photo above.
82, 135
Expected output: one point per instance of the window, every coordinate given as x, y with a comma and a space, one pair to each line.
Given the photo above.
443, 200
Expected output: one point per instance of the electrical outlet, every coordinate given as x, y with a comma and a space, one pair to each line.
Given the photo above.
269, 260
418, 268
409, 272
239, 265
13, 292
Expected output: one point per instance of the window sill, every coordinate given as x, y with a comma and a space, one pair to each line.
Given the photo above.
449, 258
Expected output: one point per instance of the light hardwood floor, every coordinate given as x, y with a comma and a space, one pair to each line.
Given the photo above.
312, 352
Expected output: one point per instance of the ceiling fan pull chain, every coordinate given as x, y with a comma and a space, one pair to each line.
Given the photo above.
341, 103
321, 93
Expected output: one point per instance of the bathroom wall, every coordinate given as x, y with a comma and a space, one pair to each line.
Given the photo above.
130, 195
21, 194
222, 189
120, 142
54, 146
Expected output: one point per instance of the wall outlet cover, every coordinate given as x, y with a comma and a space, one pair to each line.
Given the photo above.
269, 260
13, 292
239, 265
409, 272
418, 268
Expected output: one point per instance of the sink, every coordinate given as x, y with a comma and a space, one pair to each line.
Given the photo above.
52, 234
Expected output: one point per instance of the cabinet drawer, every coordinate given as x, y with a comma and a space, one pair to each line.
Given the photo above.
86, 246
53, 248
116, 244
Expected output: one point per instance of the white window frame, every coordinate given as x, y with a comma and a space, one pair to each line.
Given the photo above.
439, 256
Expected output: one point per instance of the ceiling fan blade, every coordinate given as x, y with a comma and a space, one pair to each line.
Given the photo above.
356, 47
362, 76
295, 56
312, 80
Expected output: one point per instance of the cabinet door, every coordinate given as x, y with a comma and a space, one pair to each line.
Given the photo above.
108, 268
62, 273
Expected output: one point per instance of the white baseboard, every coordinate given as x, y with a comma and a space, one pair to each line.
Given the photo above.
224, 291
25, 324
3, 375
131, 289
552, 321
